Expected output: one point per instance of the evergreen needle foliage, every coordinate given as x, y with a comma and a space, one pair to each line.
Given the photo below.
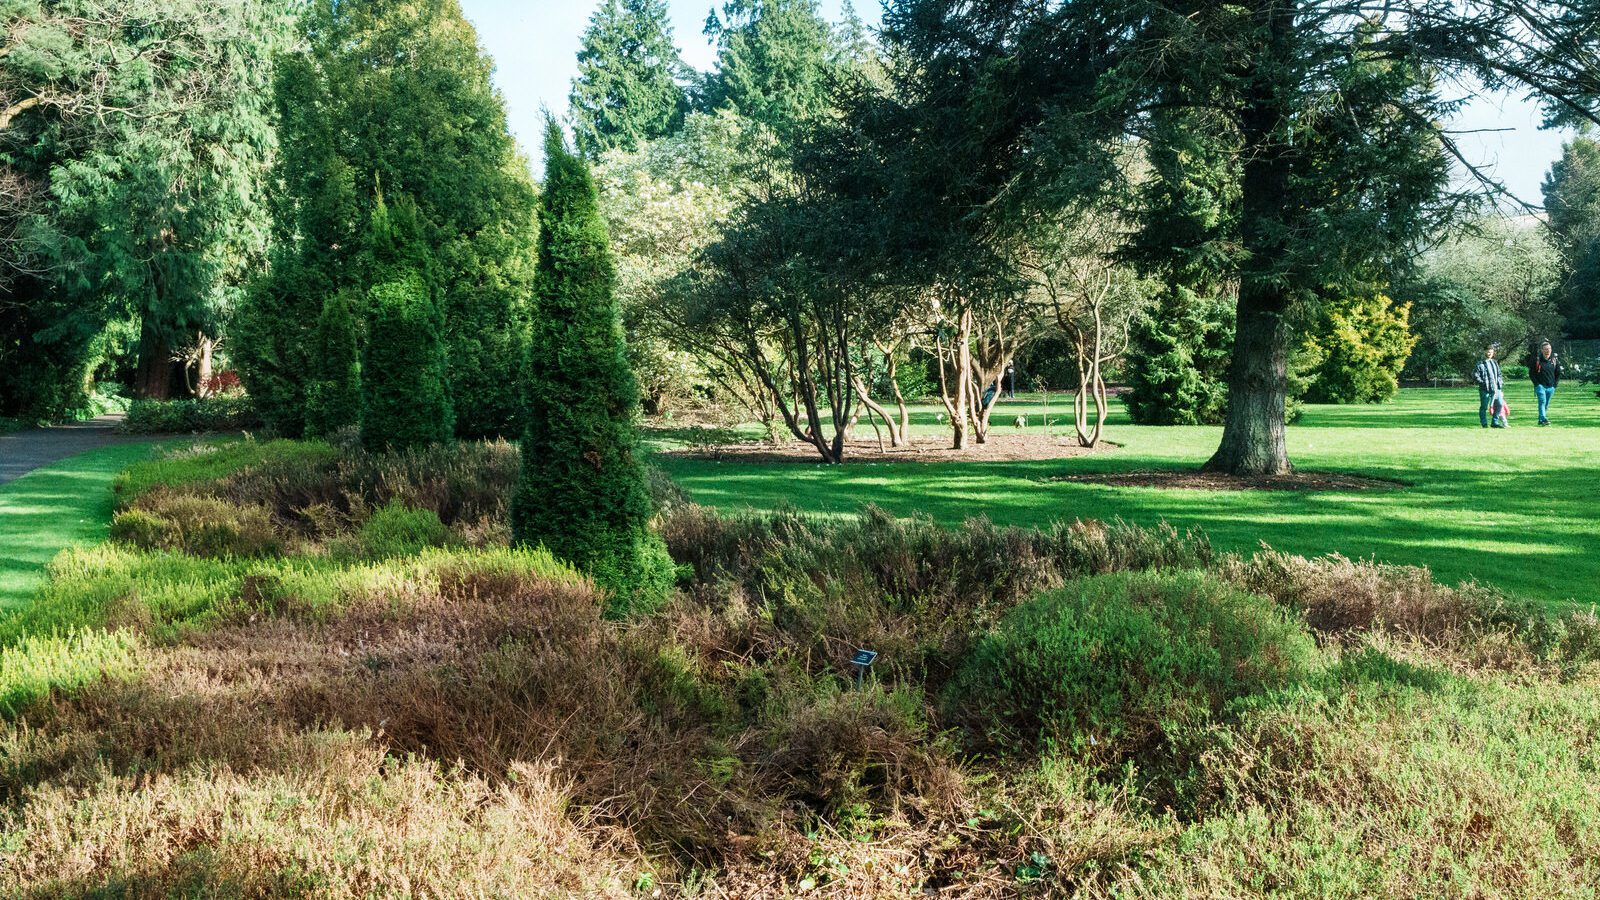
403, 397
583, 493
333, 398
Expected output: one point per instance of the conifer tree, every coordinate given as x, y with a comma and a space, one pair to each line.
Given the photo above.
399, 92
333, 398
1179, 351
582, 492
405, 400
628, 90
1572, 195
774, 63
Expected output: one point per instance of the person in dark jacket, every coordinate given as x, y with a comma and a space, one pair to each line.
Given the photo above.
1491, 388
1544, 367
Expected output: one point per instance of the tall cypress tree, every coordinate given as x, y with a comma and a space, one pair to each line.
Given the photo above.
405, 401
333, 398
583, 493
628, 90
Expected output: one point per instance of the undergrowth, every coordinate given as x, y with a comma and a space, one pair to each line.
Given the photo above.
388, 702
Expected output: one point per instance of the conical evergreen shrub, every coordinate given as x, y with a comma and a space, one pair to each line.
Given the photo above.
583, 493
333, 398
1177, 363
405, 398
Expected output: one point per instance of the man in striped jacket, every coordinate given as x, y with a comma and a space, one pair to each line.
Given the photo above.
1491, 388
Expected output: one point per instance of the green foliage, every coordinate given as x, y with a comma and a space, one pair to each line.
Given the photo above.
404, 398
1177, 363
1356, 351
38, 664
627, 91
203, 462
1119, 659
201, 526
454, 160
398, 530
664, 204
191, 415
1493, 281
333, 395
583, 493
133, 161
1572, 195
774, 63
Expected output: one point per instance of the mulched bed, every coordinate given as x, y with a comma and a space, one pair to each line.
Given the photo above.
1002, 446
1196, 480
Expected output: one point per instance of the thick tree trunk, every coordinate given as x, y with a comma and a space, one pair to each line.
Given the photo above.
1253, 433
153, 380
1253, 436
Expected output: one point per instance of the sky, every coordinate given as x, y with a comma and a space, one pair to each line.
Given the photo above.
535, 45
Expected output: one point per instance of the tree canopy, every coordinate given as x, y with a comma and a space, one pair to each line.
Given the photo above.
630, 83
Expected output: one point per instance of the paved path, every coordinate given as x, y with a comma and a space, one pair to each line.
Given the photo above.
23, 451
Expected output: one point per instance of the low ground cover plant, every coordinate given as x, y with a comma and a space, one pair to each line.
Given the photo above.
191, 415
396, 703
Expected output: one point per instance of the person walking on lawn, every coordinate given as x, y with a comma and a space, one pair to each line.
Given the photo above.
1491, 388
1544, 367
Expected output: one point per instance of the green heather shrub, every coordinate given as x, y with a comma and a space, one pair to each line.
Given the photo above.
333, 393
398, 530
189, 415
201, 526
198, 463
583, 492
1114, 661
35, 664
404, 401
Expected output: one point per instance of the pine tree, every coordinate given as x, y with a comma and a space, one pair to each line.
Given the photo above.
1179, 352
582, 492
1177, 368
628, 90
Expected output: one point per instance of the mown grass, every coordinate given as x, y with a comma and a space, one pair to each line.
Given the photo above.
69, 502
1511, 508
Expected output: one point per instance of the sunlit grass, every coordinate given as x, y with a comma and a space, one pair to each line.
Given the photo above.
45, 511
1513, 508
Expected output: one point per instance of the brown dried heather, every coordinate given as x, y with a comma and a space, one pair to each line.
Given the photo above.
345, 820
1340, 596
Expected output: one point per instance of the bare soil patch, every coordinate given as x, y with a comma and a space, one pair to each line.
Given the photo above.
1001, 447
1196, 480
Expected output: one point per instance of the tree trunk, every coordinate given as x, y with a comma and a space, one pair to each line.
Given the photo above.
203, 367
897, 436
153, 380
1253, 436
1253, 433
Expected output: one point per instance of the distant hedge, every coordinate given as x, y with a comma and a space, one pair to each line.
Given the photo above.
191, 414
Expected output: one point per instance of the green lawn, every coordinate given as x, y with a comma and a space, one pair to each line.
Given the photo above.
1515, 508
50, 509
